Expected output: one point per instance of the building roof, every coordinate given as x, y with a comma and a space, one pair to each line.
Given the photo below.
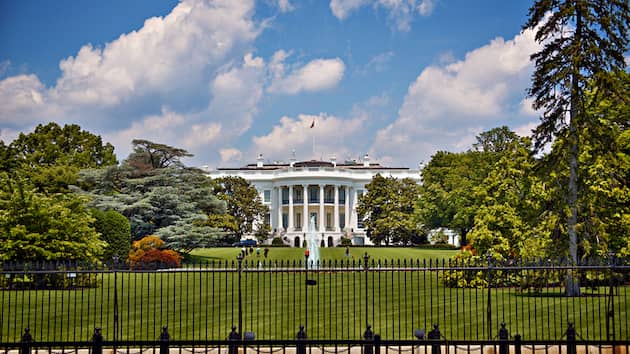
313, 163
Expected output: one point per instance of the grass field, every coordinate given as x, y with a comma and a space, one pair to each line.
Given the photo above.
290, 254
197, 303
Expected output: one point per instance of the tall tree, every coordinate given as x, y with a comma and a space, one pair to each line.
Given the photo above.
38, 226
51, 156
387, 209
446, 198
164, 198
243, 203
583, 41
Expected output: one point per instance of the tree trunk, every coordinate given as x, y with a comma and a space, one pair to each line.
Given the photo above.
572, 287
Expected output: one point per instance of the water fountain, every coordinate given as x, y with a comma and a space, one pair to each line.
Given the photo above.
313, 244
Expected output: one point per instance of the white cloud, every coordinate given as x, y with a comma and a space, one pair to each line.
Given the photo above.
316, 75
285, 5
331, 135
230, 154
425, 7
342, 8
400, 13
446, 106
21, 99
377, 63
189, 70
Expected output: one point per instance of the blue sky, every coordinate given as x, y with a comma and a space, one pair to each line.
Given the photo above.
227, 80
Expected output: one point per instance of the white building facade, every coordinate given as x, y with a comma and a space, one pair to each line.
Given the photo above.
324, 190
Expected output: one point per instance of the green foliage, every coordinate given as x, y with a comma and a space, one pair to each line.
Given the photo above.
115, 230
39, 227
51, 156
190, 233
446, 199
344, 242
277, 241
583, 43
68, 146
387, 209
243, 203
262, 232
173, 202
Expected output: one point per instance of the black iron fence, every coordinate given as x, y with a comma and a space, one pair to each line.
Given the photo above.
351, 303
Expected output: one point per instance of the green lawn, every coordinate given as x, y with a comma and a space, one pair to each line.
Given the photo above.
199, 303
290, 254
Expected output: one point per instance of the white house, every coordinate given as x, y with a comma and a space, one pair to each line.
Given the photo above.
325, 190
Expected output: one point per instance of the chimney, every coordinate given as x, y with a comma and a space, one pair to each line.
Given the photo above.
333, 159
259, 161
366, 161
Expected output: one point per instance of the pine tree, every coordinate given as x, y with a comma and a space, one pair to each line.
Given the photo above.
583, 42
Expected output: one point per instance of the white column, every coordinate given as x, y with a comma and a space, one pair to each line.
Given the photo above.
305, 219
279, 208
346, 215
322, 222
355, 197
290, 226
336, 208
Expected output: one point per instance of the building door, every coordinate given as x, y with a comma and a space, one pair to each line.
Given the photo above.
330, 241
296, 242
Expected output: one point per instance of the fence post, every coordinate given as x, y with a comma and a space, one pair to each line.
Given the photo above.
610, 315
503, 339
97, 341
368, 335
26, 342
571, 339
239, 258
489, 301
365, 267
435, 336
377, 344
233, 337
517, 344
164, 339
301, 336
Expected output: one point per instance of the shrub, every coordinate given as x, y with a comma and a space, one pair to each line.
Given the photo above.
148, 252
277, 241
115, 230
345, 242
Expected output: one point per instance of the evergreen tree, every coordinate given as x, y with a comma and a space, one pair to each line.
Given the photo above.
583, 42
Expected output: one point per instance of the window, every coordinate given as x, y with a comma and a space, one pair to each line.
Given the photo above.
342, 220
342, 195
329, 221
298, 220
285, 196
297, 195
267, 219
313, 195
329, 196
267, 196
285, 220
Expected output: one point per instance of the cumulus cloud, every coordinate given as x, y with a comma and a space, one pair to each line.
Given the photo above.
316, 75
330, 136
230, 154
400, 13
446, 106
22, 99
189, 70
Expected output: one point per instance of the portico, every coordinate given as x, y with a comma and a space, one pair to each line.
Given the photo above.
325, 190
